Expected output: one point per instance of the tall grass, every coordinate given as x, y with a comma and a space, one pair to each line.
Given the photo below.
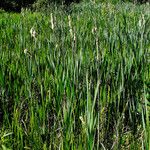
81, 82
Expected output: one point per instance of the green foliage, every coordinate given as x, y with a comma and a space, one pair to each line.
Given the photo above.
40, 5
16, 5
68, 81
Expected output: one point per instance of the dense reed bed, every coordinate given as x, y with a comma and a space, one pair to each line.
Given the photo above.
77, 79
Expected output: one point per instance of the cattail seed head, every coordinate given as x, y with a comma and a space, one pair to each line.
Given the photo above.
69, 18
25, 51
52, 21
33, 32
94, 30
142, 21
